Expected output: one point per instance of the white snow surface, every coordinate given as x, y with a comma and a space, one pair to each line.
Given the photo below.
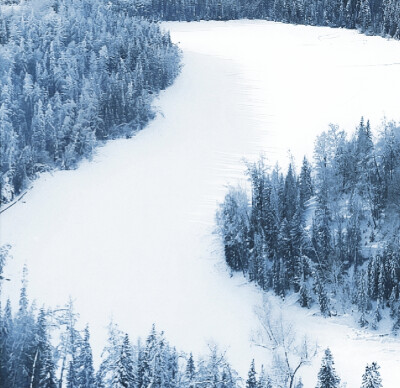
129, 235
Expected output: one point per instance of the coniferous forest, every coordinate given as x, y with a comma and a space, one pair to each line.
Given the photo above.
377, 17
88, 71
53, 112
327, 233
43, 348
82, 74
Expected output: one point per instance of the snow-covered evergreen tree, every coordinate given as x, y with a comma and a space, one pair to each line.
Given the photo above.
305, 298
264, 380
251, 381
327, 376
190, 370
84, 363
371, 377
124, 376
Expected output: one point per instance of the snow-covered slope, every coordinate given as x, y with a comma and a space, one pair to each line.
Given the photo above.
129, 235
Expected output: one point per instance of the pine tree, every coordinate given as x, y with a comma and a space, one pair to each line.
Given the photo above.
43, 368
393, 303
327, 377
300, 244
227, 378
233, 223
377, 316
148, 357
290, 194
8, 155
353, 235
396, 323
322, 296
305, 299
251, 381
84, 363
381, 284
371, 377
276, 284
6, 330
21, 361
257, 174
190, 369
271, 223
110, 356
283, 279
362, 300
72, 380
39, 135
264, 381
4, 34
365, 16
124, 377
321, 236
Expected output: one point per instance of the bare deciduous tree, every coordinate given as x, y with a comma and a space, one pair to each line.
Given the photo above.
288, 353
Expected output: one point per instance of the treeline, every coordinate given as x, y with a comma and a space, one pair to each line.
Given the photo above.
70, 77
42, 348
378, 17
329, 233
327, 376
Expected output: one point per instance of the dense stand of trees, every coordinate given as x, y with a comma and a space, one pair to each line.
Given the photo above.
82, 72
327, 233
381, 17
30, 359
87, 71
43, 348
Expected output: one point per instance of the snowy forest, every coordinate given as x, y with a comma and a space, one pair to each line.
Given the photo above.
82, 74
327, 233
43, 348
381, 17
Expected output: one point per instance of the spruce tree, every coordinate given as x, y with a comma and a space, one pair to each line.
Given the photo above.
377, 316
322, 296
227, 378
84, 363
6, 330
371, 377
396, 323
25, 350
190, 369
264, 381
72, 380
306, 189
362, 300
290, 194
393, 303
43, 367
305, 299
251, 381
124, 377
327, 376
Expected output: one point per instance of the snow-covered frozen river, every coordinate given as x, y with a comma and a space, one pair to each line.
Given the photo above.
130, 235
